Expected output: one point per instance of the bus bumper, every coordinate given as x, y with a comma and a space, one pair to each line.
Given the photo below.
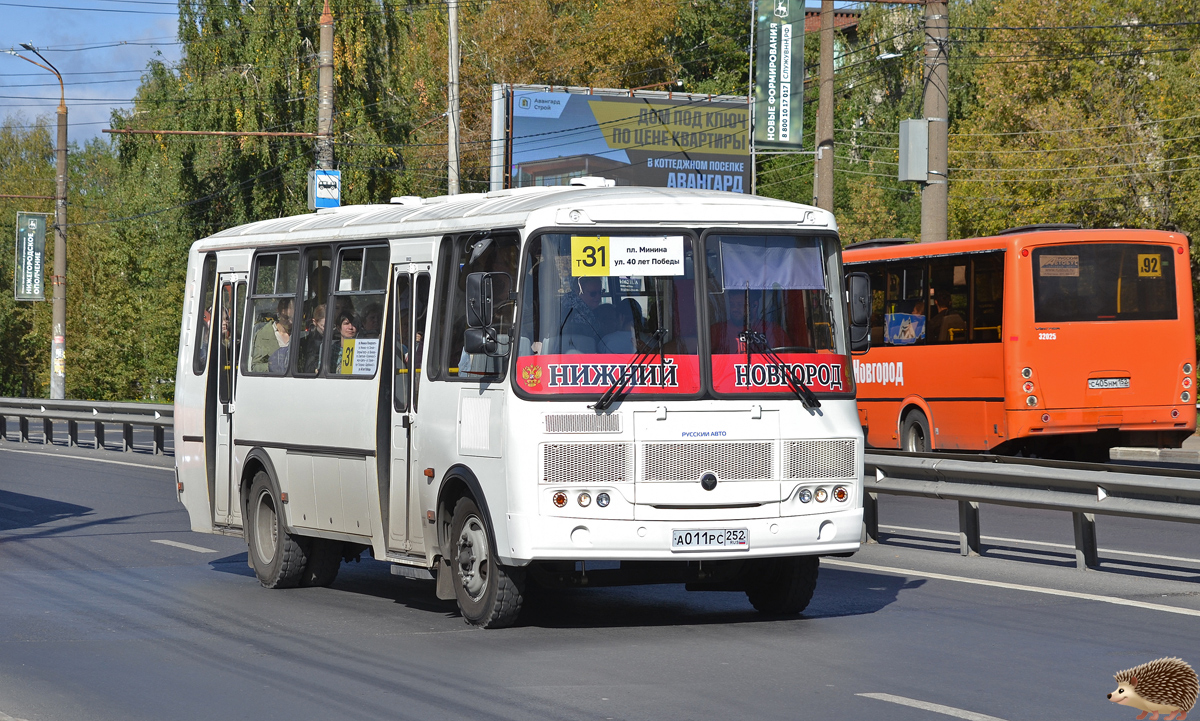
544, 538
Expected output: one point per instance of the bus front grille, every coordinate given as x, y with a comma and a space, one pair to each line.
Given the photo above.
732, 461
820, 459
586, 463
582, 423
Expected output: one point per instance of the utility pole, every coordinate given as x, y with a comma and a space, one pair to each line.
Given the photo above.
452, 174
325, 92
824, 161
935, 196
58, 281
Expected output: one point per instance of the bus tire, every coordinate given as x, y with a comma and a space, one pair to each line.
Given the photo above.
324, 561
278, 559
782, 586
489, 594
914, 433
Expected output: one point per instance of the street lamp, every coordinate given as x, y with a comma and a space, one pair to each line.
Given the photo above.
58, 280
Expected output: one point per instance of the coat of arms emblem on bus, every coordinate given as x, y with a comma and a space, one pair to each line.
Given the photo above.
532, 375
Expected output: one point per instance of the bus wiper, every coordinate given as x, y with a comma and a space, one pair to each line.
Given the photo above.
624, 383
754, 339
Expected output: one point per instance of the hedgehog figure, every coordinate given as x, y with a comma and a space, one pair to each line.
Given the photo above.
1166, 686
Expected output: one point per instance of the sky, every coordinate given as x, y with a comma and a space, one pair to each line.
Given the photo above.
99, 46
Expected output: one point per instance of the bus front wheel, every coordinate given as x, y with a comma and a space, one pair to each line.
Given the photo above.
914, 433
488, 594
782, 586
277, 557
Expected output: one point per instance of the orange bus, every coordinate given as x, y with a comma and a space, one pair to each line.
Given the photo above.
1043, 340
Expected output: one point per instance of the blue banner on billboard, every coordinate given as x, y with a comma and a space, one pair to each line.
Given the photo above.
659, 140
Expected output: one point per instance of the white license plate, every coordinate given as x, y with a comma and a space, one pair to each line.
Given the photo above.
1108, 382
706, 539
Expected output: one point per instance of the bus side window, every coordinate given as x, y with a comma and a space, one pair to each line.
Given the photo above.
272, 305
354, 318
948, 301
402, 343
417, 352
314, 310
473, 254
905, 312
987, 297
204, 311
878, 297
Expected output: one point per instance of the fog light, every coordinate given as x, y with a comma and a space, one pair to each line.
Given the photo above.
1174, 412
1187, 368
804, 495
1185, 396
1028, 387
822, 495
1031, 401
560, 499
1187, 381
1045, 418
585, 499
840, 494
602, 500
1026, 372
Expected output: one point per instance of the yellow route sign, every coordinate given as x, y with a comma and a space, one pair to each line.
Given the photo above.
590, 255
1149, 265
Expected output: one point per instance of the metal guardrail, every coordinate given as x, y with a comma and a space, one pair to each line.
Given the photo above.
1083, 489
101, 414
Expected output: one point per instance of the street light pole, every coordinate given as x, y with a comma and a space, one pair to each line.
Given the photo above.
58, 281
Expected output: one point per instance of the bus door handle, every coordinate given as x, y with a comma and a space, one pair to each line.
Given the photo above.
405, 421
227, 409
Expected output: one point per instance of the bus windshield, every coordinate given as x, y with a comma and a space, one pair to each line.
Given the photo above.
770, 295
1103, 282
593, 303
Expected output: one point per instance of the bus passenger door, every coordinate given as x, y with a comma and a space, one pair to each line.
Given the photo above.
231, 307
405, 528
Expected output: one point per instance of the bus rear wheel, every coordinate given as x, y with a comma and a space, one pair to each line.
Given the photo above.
324, 562
782, 586
277, 557
489, 594
914, 433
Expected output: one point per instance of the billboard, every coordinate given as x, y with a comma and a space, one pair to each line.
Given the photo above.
657, 139
29, 278
778, 74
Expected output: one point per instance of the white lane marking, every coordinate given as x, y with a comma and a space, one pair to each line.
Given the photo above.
1045, 543
934, 707
87, 458
1117, 601
18, 509
184, 546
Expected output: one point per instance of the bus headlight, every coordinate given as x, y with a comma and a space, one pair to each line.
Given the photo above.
804, 495
1031, 401
1026, 372
822, 495
585, 499
602, 500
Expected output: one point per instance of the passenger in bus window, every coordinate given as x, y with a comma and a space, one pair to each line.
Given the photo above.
309, 360
580, 327
946, 324
372, 321
271, 336
344, 329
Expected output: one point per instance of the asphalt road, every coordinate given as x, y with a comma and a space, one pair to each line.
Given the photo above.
101, 620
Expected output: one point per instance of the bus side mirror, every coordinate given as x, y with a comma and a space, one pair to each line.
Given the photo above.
484, 292
859, 286
485, 341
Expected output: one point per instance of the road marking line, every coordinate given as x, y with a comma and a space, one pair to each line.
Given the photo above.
1046, 543
86, 458
1013, 586
934, 707
15, 508
184, 546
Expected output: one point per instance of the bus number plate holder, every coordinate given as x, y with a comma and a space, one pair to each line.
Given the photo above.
707, 539
1108, 383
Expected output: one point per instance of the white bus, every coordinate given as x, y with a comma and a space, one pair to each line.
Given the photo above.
545, 386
